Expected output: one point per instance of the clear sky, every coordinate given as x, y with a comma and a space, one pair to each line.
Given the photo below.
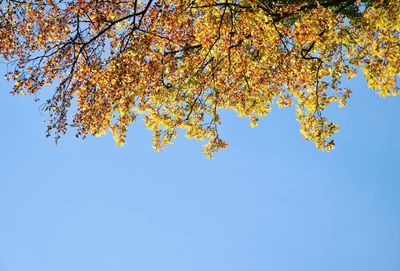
270, 202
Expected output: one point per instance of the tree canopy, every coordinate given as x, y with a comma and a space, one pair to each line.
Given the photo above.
176, 64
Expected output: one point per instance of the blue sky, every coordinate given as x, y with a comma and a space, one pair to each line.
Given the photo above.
270, 202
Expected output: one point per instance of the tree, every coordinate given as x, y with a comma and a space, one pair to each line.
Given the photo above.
178, 63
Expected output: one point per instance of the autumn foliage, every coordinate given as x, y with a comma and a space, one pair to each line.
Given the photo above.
177, 63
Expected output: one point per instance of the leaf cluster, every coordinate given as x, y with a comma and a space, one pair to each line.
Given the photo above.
178, 63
